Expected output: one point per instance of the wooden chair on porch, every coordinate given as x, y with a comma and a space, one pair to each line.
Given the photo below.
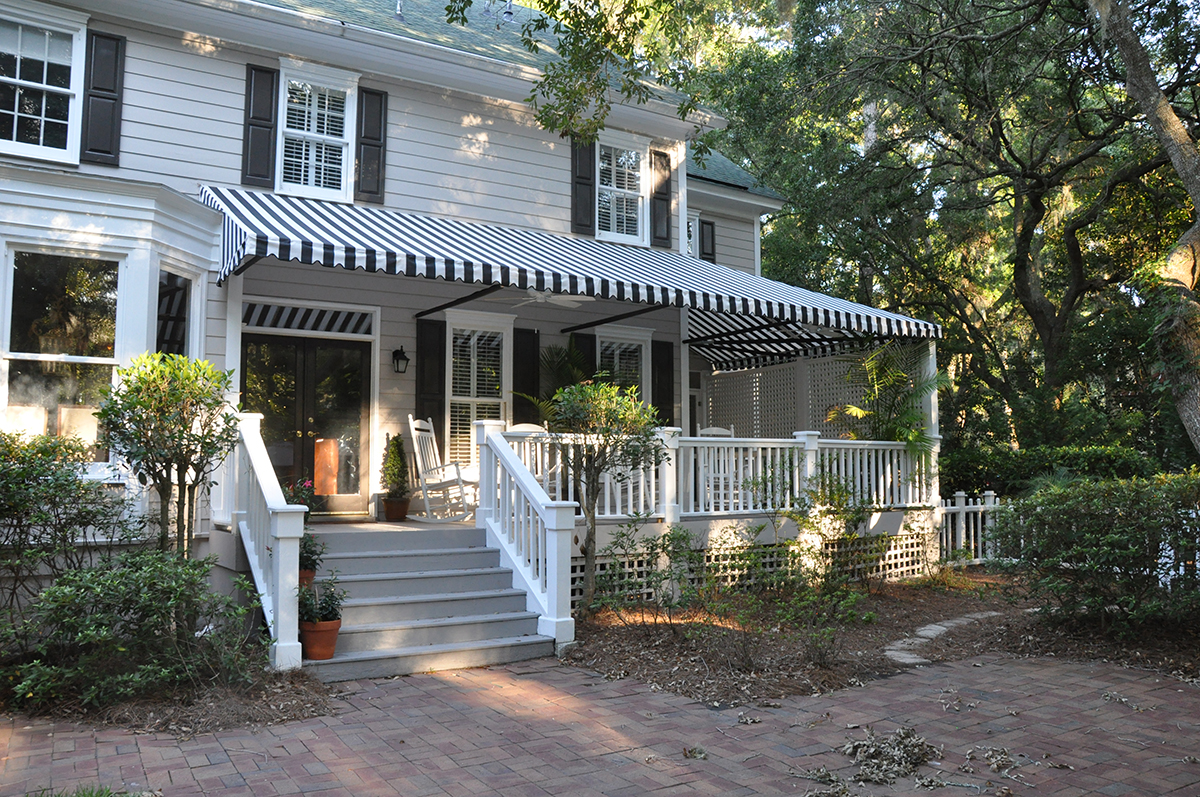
443, 486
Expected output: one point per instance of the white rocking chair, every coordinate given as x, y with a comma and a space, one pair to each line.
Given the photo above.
443, 487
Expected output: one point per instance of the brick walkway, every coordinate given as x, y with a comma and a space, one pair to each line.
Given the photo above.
539, 728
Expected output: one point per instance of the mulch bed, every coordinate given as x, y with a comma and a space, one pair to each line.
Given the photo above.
275, 698
707, 658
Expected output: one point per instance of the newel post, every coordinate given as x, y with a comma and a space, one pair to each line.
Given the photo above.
669, 473
487, 497
809, 463
287, 527
560, 528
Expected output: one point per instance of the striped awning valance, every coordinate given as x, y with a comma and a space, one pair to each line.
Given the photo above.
260, 224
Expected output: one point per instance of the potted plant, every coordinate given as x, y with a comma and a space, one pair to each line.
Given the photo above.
394, 479
312, 551
320, 611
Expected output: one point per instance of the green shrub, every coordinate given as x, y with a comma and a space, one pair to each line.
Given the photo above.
52, 519
1119, 553
1011, 472
140, 623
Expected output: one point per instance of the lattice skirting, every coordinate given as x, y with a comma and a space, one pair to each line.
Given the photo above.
890, 557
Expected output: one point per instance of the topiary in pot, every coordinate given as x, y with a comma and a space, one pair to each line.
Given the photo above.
320, 614
394, 479
312, 551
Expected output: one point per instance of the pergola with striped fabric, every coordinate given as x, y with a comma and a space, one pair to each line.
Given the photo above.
740, 321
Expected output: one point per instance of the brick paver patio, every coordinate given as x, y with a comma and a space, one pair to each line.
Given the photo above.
540, 728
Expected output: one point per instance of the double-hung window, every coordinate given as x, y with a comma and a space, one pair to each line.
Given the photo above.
622, 190
317, 107
479, 377
41, 81
624, 353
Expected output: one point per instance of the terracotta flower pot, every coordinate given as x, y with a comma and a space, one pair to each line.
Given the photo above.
395, 509
318, 640
306, 577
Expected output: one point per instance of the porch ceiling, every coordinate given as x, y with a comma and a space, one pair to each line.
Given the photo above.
744, 320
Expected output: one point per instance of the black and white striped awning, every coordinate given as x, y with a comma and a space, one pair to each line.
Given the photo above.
259, 224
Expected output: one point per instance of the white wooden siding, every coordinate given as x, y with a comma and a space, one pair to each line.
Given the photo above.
735, 240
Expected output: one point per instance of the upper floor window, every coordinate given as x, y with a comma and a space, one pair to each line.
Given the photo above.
41, 81
622, 190
317, 107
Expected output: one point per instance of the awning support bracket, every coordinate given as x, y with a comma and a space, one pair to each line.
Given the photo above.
613, 319
461, 300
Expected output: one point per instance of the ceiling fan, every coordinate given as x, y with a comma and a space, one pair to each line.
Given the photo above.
534, 296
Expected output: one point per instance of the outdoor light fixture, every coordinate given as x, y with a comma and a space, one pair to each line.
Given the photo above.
399, 360
399, 15
507, 16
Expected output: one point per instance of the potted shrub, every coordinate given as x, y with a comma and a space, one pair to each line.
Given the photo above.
312, 551
394, 479
320, 618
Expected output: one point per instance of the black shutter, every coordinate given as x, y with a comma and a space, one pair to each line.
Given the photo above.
586, 346
708, 241
660, 200
583, 188
431, 375
370, 152
662, 380
527, 375
102, 85
258, 140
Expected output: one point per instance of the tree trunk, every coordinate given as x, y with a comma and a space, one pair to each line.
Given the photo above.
1179, 335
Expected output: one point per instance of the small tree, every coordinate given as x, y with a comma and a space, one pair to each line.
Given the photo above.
394, 474
613, 433
168, 418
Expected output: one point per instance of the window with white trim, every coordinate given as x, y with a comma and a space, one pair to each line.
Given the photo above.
317, 107
624, 352
59, 348
479, 376
42, 52
622, 190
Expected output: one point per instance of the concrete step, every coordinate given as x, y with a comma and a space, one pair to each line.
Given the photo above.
425, 658
427, 607
384, 561
429, 582
370, 538
440, 631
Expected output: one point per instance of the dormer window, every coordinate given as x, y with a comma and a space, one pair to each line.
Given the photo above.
41, 81
317, 108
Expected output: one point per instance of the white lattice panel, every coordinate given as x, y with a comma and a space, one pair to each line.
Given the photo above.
829, 387
758, 403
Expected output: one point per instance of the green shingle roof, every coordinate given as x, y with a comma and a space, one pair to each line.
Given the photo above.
425, 20
719, 169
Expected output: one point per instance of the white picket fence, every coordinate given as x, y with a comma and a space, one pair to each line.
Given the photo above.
965, 526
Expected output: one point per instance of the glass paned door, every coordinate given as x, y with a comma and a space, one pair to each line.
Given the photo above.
476, 387
314, 398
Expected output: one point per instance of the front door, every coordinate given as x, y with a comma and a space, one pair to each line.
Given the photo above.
315, 400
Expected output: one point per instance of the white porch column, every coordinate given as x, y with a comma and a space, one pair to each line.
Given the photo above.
929, 406
669, 473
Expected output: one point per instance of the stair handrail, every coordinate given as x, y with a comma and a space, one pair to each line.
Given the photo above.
533, 532
270, 529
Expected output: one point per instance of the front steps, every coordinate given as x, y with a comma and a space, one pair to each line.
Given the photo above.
422, 599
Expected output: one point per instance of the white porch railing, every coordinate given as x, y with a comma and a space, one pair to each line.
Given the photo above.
877, 473
532, 530
714, 476
270, 530
964, 527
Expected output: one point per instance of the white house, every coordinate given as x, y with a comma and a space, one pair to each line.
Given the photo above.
315, 194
